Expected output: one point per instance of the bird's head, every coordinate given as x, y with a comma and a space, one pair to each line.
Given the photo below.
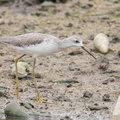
75, 41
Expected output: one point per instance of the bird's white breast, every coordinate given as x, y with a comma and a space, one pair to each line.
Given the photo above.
43, 49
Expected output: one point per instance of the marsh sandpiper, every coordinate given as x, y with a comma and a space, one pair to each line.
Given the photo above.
39, 45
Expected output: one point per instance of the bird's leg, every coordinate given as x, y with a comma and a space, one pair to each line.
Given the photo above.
35, 81
36, 86
17, 82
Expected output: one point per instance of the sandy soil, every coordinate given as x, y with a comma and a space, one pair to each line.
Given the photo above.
94, 83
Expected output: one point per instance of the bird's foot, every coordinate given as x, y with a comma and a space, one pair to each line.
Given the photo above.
41, 100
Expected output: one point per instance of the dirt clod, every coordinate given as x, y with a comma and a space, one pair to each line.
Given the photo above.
106, 97
87, 94
104, 64
119, 53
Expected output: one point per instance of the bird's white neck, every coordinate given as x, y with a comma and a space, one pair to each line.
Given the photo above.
64, 44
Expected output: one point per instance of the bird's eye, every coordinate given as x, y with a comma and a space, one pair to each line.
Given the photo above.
76, 41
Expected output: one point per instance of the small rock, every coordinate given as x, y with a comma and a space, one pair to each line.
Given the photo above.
45, 87
112, 79
29, 26
75, 52
115, 1
27, 105
84, 6
3, 94
116, 112
23, 69
106, 97
69, 25
71, 68
38, 75
77, 72
2, 54
45, 6
28, 2
104, 64
87, 94
66, 99
72, 63
115, 39
119, 53
96, 107
39, 13
66, 118
67, 81
32, 2
1, 21
105, 17
91, 37
105, 82
62, 1
101, 43
14, 110
67, 14
70, 85
60, 98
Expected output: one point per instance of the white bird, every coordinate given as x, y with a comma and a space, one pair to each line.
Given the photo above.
39, 45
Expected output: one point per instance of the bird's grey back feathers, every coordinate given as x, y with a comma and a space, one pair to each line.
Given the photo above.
26, 39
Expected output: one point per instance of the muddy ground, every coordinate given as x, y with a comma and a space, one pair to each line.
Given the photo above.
91, 83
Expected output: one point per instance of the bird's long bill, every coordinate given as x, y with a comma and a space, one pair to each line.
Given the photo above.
88, 52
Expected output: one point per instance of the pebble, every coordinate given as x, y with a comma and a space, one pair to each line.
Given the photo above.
119, 53
115, 39
112, 79
45, 87
105, 17
106, 97
2, 54
38, 75
67, 81
87, 94
66, 99
104, 64
14, 110
67, 14
45, 6
75, 52
91, 37
72, 63
116, 112
96, 107
3, 94
101, 43
105, 82
23, 69
1, 21
69, 85
84, 6
69, 25
27, 105
66, 118
71, 68
115, 1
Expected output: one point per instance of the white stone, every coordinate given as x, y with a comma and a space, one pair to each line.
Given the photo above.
101, 43
116, 112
